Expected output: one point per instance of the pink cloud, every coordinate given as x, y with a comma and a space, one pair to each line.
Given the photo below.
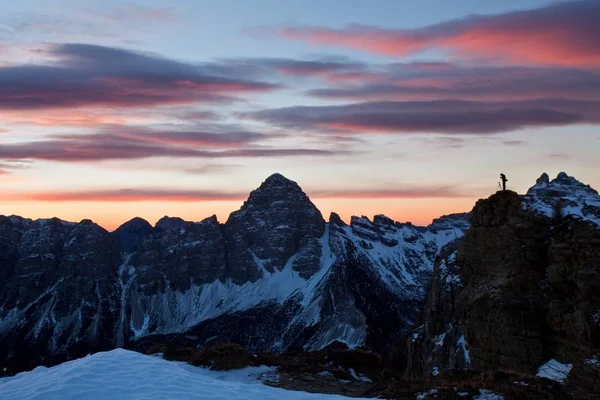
105, 77
559, 34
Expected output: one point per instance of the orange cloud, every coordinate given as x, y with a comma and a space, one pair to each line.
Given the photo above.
125, 195
174, 195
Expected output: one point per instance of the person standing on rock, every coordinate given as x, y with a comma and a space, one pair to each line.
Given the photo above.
504, 180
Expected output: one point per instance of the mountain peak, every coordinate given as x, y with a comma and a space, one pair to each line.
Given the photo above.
131, 234
564, 193
562, 185
543, 179
278, 181
335, 219
167, 223
565, 179
136, 222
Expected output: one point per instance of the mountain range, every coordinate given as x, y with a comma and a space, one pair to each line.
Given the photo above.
278, 277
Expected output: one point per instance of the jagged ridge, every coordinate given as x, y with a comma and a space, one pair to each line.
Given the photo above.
275, 276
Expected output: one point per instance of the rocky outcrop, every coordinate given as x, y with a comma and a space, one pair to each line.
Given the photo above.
520, 288
572, 302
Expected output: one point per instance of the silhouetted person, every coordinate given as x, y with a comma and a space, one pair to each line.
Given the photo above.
503, 179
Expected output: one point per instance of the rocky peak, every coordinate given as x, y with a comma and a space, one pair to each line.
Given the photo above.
383, 220
134, 223
563, 196
131, 234
336, 225
277, 221
335, 219
277, 192
212, 220
169, 223
543, 179
279, 182
563, 176
562, 185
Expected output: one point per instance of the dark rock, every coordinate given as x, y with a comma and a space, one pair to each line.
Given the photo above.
131, 234
171, 223
520, 288
60, 296
543, 179
277, 222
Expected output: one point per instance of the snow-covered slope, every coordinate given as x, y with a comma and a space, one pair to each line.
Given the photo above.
121, 374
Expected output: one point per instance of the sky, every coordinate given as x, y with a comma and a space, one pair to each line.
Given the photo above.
116, 109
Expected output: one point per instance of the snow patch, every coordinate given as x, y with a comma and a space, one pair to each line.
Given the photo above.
487, 395
439, 339
593, 362
422, 396
555, 371
359, 377
462, 345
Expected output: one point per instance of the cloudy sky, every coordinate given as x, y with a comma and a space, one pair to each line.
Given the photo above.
114, 109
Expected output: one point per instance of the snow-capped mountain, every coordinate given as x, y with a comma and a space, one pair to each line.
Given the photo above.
563, 196
275, 276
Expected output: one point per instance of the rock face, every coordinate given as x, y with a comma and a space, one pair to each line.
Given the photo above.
170, 223
277, 222
59, 290
131, 234
520, 288
276, 276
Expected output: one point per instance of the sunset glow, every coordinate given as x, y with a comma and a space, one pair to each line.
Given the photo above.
111, 110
